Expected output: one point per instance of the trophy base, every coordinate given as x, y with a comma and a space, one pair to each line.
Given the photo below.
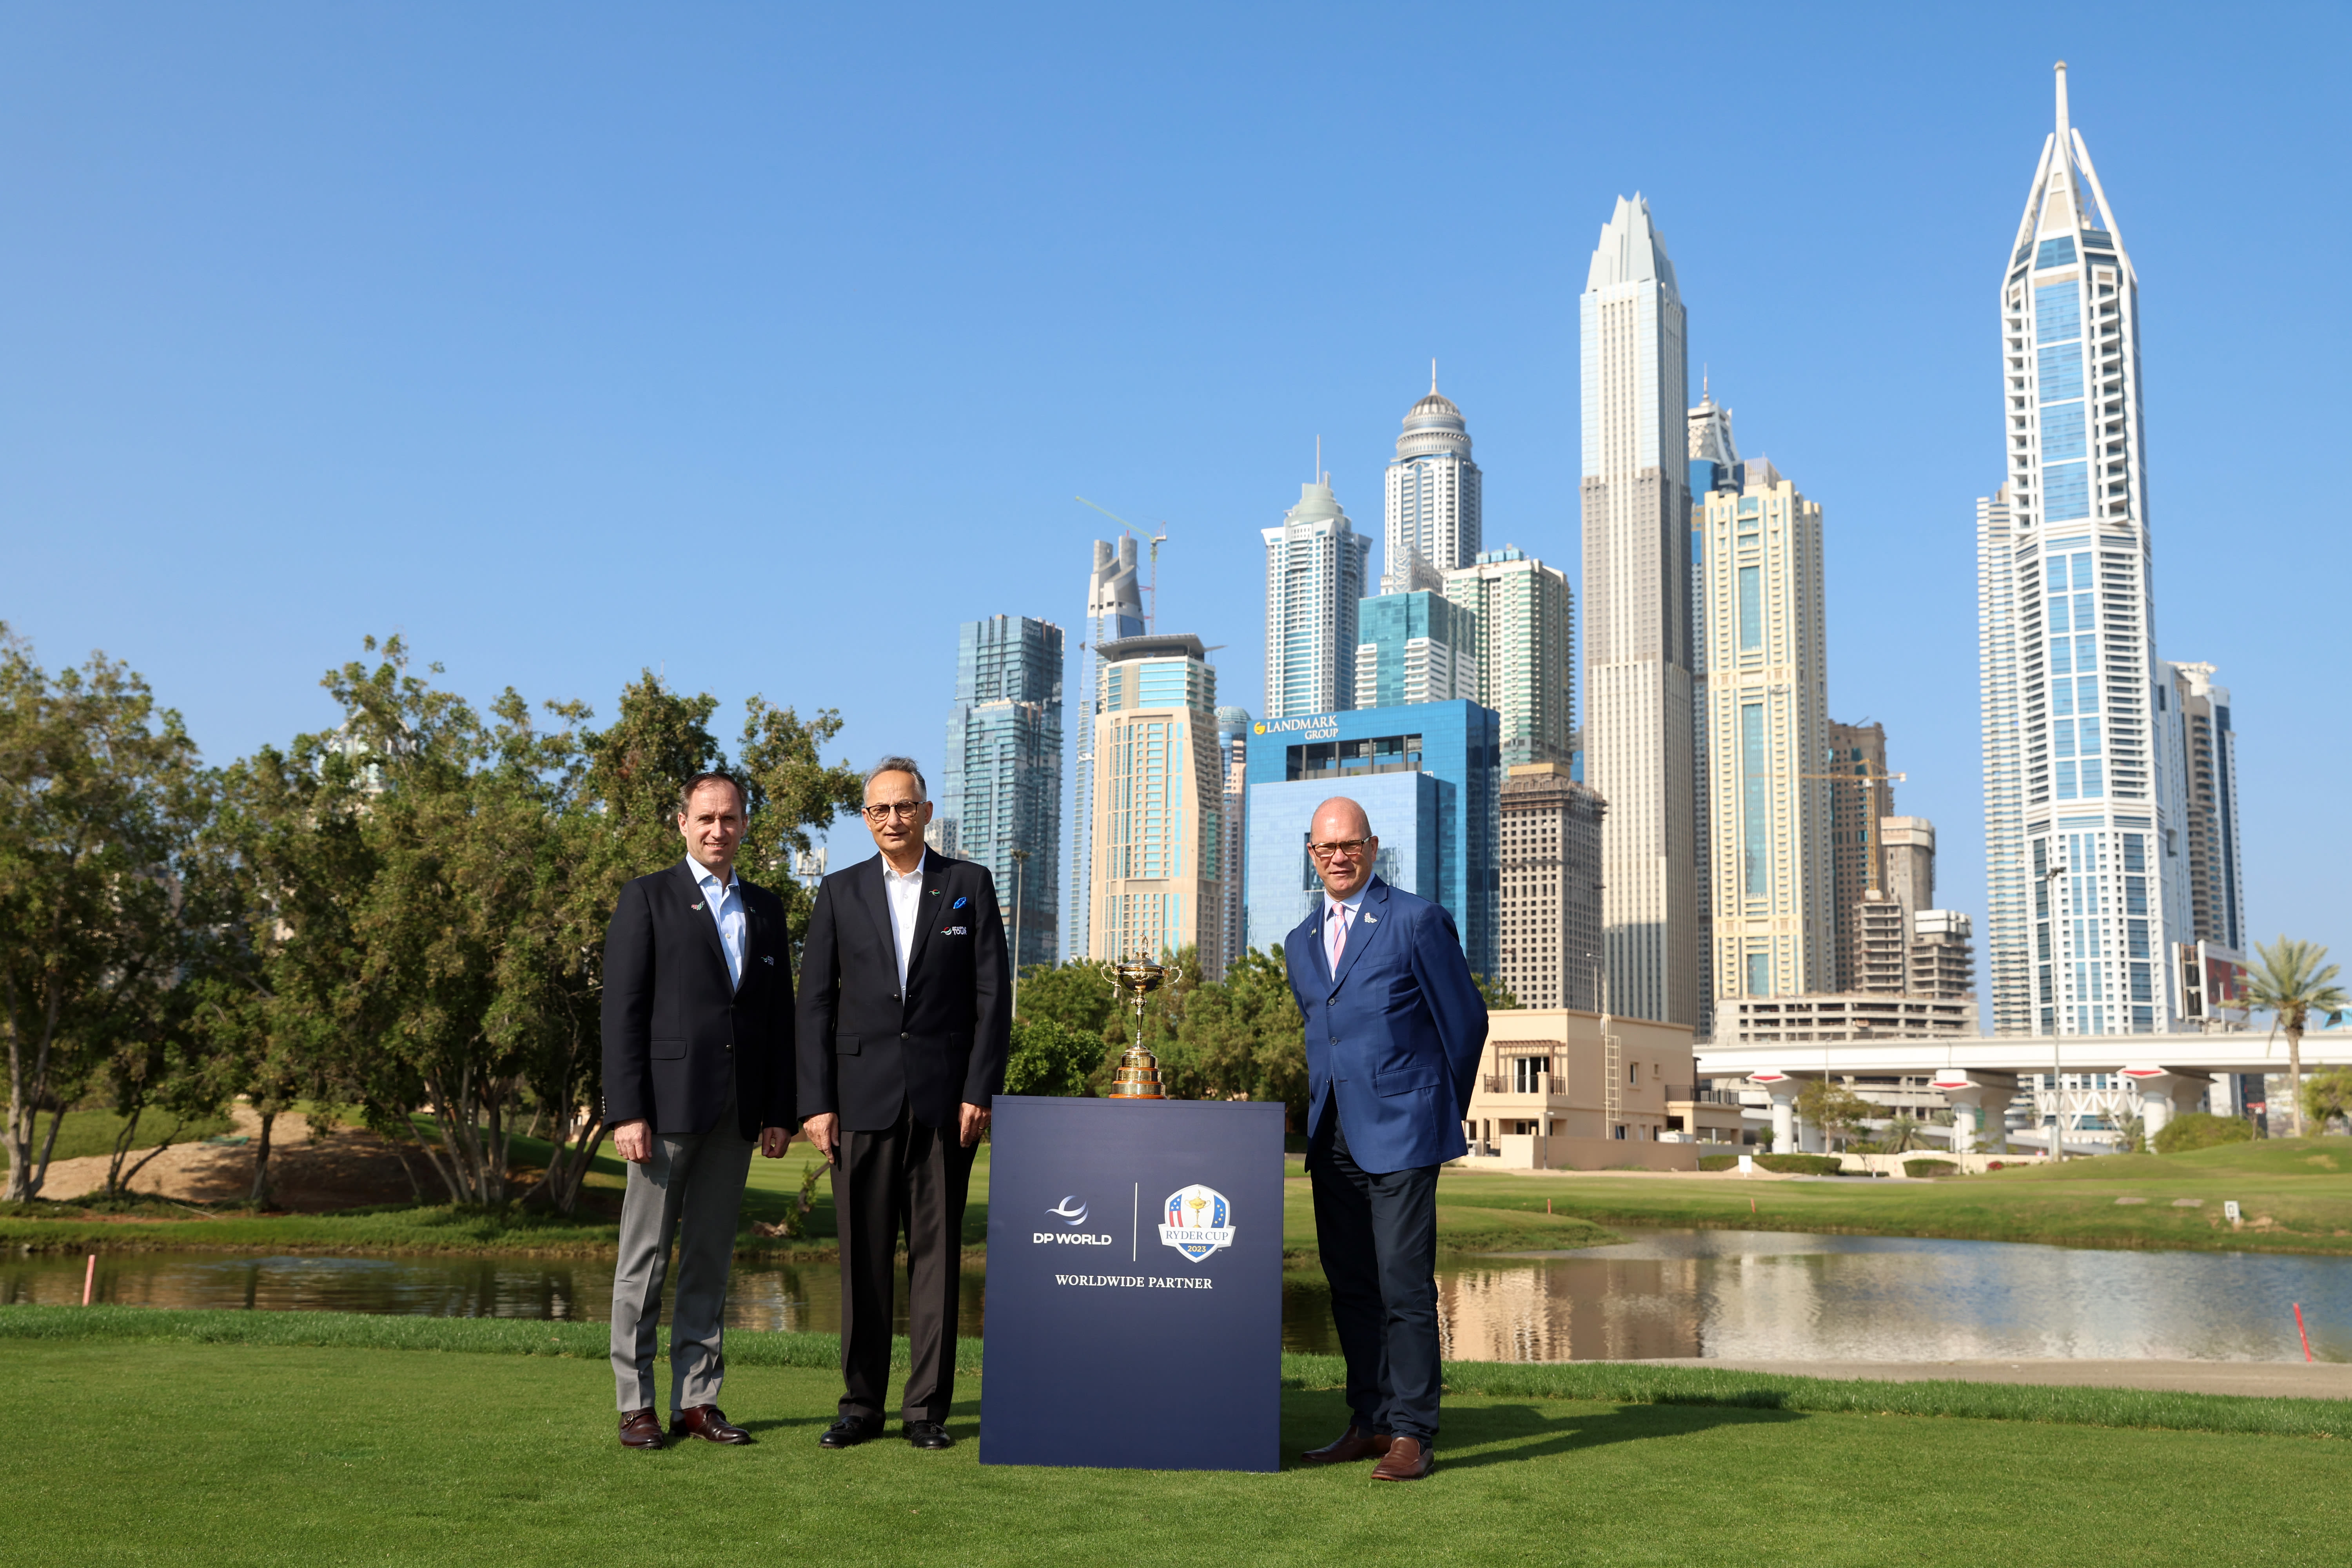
1137, 1078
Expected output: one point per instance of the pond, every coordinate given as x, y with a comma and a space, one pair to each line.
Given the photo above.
1764, 1294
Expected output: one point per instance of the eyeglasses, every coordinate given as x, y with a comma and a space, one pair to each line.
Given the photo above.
1351, 847
903, 808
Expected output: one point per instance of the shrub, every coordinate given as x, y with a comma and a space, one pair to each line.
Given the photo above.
2202, 1130
1050, 1057
1718, 1162
1931, 1167
1801, 1164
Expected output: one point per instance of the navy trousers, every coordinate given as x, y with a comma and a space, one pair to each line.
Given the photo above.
1377, 1238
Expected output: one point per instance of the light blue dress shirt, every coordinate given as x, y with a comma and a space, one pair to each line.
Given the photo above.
1351, 911
725, 906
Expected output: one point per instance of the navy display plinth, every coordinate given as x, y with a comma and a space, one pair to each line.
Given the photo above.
1134, 1316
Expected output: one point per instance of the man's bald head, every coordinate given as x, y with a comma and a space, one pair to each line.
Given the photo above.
1339, 818
1341, 841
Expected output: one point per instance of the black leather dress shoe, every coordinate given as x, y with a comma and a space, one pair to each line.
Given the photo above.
927, 1435
849, 1431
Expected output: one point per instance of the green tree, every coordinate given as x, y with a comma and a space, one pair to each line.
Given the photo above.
100, 792
1050, 1057
792, 790
2291, 980
1836, 1109
2329, 1094
1497, 995
1076, 994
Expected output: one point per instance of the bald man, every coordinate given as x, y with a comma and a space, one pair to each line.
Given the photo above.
1395, 1027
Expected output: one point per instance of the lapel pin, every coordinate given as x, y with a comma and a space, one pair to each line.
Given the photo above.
767, 957
958, 903
694, 906
1372, 919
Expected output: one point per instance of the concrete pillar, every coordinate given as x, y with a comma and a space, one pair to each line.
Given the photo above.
1979, 1101
1783, 1090
2162, 1091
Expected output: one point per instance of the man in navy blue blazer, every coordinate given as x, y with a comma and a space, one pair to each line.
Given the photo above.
1395, 1027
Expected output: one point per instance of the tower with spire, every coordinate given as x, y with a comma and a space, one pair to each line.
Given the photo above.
1639, 725
1433, 496
1314, 586
2083, 898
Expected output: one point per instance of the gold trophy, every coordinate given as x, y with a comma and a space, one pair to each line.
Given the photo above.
1139, 1071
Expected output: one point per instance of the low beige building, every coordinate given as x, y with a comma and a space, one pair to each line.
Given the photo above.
1555, 1092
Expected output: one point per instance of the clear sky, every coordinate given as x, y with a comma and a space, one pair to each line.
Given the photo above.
764, 344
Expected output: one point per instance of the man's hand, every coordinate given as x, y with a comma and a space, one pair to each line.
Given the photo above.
635, 1141
773, 1141
975, 1122
823, 1130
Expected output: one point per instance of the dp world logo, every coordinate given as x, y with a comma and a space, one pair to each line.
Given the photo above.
1196, 1221
1070, 1211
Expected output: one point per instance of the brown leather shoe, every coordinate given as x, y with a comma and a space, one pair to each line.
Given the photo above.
640, 1428
1350, 1446
1408, 1460
704, 1421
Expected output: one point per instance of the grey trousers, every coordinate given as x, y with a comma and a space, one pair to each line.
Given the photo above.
692, 1190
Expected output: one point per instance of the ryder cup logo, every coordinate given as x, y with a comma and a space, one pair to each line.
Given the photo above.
1198, 1221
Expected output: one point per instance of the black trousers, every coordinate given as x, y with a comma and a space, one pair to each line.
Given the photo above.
1378, 1239
912, 1178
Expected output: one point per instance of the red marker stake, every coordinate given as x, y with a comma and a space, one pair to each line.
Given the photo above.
2303, 1332
90, 1279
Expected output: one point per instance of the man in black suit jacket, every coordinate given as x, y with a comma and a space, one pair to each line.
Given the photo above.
697, 1069
905, 1019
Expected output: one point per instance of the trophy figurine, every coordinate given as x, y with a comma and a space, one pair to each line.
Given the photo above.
1139, 1071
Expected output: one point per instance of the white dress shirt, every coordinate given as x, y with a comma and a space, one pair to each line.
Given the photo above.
1337, 913
725, 906
906, 896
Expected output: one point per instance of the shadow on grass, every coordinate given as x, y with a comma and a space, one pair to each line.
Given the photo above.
1473, 1436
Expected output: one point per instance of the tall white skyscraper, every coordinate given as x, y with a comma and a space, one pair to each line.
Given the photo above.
1114, 612
1637, 619
1432, 497
2082, 783
1314, 579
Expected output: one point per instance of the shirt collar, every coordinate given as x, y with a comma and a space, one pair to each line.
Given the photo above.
706, 878
891, 874
1354, 902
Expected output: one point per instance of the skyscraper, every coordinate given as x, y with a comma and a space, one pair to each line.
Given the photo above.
1003, 786
1637, 619
1433, 496
1159, 790
1314, 580
1859, 802
1233, 743
2067, 606
1765, 632
1114, 611
2009, 928
1714, 465
2207, 808
1416, 647
1526, 650
1550, 950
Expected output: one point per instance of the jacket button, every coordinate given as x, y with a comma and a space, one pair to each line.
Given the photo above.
902, 1036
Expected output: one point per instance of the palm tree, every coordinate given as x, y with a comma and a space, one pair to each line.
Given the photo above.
2289, 982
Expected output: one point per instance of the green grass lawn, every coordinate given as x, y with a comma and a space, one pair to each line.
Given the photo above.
159, 1451
2296, 1195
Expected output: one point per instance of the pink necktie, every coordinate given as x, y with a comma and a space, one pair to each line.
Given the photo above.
1339, 918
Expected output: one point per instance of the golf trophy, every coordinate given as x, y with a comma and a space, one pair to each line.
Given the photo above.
1139, 1071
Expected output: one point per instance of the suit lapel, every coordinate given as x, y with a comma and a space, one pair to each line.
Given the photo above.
1362, 930
927, 912
704, 918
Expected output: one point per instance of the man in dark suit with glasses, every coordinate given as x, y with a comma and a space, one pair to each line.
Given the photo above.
906, 1020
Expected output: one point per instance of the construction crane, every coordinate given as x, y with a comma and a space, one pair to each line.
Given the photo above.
1870, 779
1151, 617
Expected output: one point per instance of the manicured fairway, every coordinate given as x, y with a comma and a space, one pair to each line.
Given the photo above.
148, 1452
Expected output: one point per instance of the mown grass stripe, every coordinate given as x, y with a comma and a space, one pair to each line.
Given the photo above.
1616, 1383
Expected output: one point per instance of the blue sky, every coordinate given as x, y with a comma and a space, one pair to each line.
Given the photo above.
763, 345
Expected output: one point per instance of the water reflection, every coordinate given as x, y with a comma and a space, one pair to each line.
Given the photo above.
1671, 1293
